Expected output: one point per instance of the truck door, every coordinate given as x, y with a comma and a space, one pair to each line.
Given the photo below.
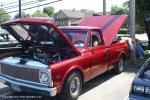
100, 58
115, 50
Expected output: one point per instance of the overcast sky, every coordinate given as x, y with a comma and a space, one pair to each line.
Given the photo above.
96, 5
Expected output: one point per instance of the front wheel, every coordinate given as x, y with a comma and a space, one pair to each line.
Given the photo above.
120, 66
72, 87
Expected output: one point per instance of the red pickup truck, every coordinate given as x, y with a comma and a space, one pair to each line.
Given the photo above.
59, 60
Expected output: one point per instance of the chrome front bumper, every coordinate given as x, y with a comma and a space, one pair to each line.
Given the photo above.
30, 85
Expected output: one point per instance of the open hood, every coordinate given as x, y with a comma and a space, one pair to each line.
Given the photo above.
109, 25
38, 32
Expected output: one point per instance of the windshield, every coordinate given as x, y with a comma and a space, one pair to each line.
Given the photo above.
77, 37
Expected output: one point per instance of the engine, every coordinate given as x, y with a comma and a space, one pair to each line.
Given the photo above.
42, 56
39, 55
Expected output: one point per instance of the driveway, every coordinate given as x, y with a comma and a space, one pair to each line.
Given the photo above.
104, 87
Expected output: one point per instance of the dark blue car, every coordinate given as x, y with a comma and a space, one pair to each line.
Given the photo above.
140, 89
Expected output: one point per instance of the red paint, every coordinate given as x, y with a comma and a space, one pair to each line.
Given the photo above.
114, 25
91, 62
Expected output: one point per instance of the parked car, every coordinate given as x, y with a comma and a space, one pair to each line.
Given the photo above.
140, 89
59, 60
7, 43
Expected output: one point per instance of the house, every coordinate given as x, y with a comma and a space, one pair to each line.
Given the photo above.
66, 17
72, 17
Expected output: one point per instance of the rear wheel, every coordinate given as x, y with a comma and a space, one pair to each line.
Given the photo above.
120, 66
72, 87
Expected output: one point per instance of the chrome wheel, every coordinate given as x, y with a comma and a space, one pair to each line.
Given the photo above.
72, 87
121, 65
75, 86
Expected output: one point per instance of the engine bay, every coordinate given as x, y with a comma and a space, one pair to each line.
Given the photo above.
42, 54
39, 42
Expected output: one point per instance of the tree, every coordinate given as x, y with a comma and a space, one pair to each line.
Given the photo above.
142, 12
49, 11
119, 10
126, 5
4, 16
23, 15
39, 14
147, 25
86, 11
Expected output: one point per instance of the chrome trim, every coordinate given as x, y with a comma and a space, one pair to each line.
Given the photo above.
25, 66
23, 81
50, 83
48, 72
52, 91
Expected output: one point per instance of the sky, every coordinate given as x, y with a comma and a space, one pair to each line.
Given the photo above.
96, 5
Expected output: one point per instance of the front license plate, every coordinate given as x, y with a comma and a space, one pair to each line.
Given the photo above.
15, 87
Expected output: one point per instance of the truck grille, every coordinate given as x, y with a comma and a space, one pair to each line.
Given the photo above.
20, 72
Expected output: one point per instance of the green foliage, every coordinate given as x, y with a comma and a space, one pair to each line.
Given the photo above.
142, 12
23, 15
115, 10
39, 14
86, 11
124, 31
139, 29
4, 16
49, 11
126, 5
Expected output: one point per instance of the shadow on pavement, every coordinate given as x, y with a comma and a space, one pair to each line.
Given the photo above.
131, 69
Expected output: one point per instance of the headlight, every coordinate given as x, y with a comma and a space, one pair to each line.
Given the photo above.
45, 77
147, 90
138, 89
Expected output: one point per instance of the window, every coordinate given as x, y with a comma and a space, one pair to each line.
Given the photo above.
95, 39
77, 37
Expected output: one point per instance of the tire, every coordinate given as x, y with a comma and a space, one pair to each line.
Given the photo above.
72, 87
119, 67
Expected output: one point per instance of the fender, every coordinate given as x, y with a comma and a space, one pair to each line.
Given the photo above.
68, 72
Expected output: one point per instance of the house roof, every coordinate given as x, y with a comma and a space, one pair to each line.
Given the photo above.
76, 14
70, 14
77, 22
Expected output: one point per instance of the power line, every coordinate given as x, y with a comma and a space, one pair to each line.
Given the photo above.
23, 4
33, 7
11, 3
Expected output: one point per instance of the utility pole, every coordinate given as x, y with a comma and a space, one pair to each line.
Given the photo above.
19, 8
1, 6
104, 7
132, 29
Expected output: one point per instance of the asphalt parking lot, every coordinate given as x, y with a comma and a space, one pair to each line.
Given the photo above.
105, 87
